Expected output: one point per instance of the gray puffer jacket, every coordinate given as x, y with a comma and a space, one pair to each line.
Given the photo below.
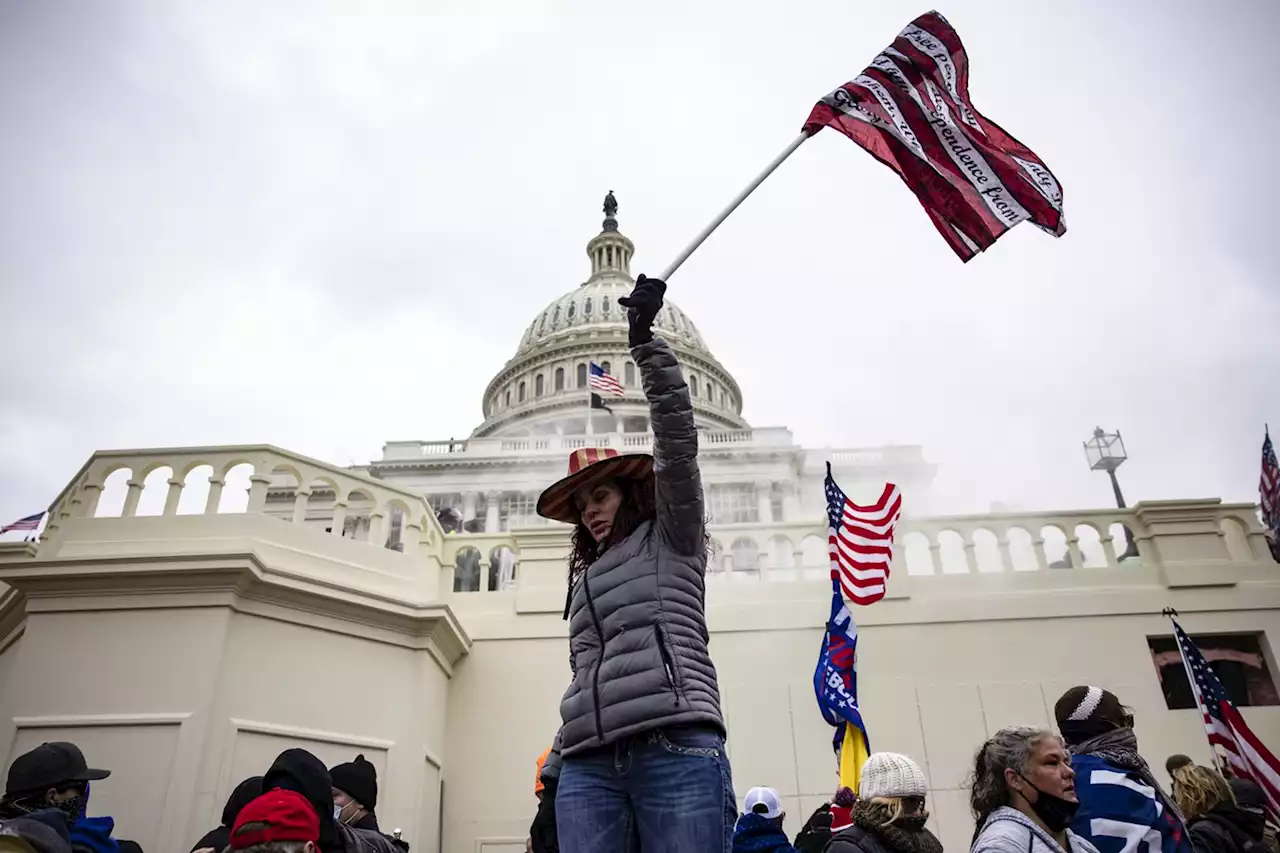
637, 626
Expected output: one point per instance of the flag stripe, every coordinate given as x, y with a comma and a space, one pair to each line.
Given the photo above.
31, 522
910, 109
1225, 728
860, 541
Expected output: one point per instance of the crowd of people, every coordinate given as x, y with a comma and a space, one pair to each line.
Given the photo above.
297, 806
1083, 788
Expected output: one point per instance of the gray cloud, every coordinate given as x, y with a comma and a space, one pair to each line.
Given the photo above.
263, 222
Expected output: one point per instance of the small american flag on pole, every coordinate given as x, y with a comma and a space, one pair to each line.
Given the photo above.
601, 382
910, 109
31, 522
1269, 494
860, 541
1228, 734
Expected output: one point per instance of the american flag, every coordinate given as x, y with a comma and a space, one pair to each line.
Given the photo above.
604, 383
910, 109
1269, 494
31, 522
1245, 755
860, 541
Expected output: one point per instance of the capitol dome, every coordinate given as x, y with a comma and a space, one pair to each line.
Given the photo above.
543, 389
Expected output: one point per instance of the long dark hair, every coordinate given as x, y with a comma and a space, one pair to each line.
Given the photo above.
637, 505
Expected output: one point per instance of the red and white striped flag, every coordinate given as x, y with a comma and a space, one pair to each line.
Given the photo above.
31, 522
1229, 735
860, 541
911, 110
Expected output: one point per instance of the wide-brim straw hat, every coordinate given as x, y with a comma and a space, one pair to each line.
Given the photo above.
588, 466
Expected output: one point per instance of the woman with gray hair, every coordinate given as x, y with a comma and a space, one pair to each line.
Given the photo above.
1023, 795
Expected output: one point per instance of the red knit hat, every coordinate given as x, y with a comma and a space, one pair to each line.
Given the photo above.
278, 815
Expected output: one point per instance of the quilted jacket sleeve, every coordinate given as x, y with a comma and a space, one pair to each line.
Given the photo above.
678, 486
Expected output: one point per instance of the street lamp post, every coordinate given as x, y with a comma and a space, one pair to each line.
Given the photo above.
1105, 452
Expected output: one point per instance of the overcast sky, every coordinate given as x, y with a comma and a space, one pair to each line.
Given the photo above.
325, 226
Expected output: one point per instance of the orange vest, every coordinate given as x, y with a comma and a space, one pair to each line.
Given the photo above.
537, 780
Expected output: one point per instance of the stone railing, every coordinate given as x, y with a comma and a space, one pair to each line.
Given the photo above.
1163, 534
397, 451
200, 475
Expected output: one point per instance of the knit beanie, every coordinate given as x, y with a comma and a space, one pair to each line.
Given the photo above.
888, 774
1085, 712
359, 780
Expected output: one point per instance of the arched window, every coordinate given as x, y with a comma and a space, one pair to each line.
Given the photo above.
606, 367
555, 317
746, 555
537, 385
693, 384
629, 375
582, 376
606, 306
711, 391
542, 324
586, 307
559, 378
507, 401
569, 312
520, 392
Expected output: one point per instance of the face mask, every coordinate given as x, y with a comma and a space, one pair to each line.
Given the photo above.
73, 807
1054, 812
337, 814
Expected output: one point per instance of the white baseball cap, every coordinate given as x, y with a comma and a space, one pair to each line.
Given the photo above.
763, 801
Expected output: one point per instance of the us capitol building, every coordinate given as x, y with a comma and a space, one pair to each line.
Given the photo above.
187, 613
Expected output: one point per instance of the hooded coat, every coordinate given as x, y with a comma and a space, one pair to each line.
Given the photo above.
219, 838
637, 617
299, 770
1227, 828
1007, 830
756, 833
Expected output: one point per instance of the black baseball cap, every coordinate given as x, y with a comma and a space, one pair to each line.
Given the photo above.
48, 766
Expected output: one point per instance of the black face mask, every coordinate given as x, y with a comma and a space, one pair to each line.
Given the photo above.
1054, 812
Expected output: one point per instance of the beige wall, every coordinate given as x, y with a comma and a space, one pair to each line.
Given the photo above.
932, 691
185, 651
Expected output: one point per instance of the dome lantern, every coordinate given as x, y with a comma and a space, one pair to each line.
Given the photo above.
610, 252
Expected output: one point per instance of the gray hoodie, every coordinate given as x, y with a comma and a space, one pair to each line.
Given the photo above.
1007, 830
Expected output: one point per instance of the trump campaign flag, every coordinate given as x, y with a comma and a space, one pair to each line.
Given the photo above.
835, 683
910, 109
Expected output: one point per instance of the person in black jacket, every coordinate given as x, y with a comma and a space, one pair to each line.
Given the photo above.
1214, 821
1251, 799
890, 814
219, 837
300, 771
355, 793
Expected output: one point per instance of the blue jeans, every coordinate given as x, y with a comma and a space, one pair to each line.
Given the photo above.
664, 791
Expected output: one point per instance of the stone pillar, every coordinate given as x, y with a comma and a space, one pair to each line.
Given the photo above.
216, 483
491, 511
89, 503
410, 535
377, 533
791, 510
1073, 550
468, 506
764, 501
300, 500
171, 498
339, 517
1006, 558
258, 492
131, 499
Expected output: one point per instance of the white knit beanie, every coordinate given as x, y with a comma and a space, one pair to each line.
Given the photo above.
888, 774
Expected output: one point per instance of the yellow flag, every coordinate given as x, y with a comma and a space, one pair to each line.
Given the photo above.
853, 754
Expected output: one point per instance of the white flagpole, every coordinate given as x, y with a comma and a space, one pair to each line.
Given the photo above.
733, 205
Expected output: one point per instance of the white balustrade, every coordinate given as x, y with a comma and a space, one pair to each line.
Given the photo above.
271, 472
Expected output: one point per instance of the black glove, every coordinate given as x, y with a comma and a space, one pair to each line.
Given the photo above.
643, 306
817, 831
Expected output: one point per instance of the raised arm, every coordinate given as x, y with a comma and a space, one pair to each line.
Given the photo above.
678, 483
